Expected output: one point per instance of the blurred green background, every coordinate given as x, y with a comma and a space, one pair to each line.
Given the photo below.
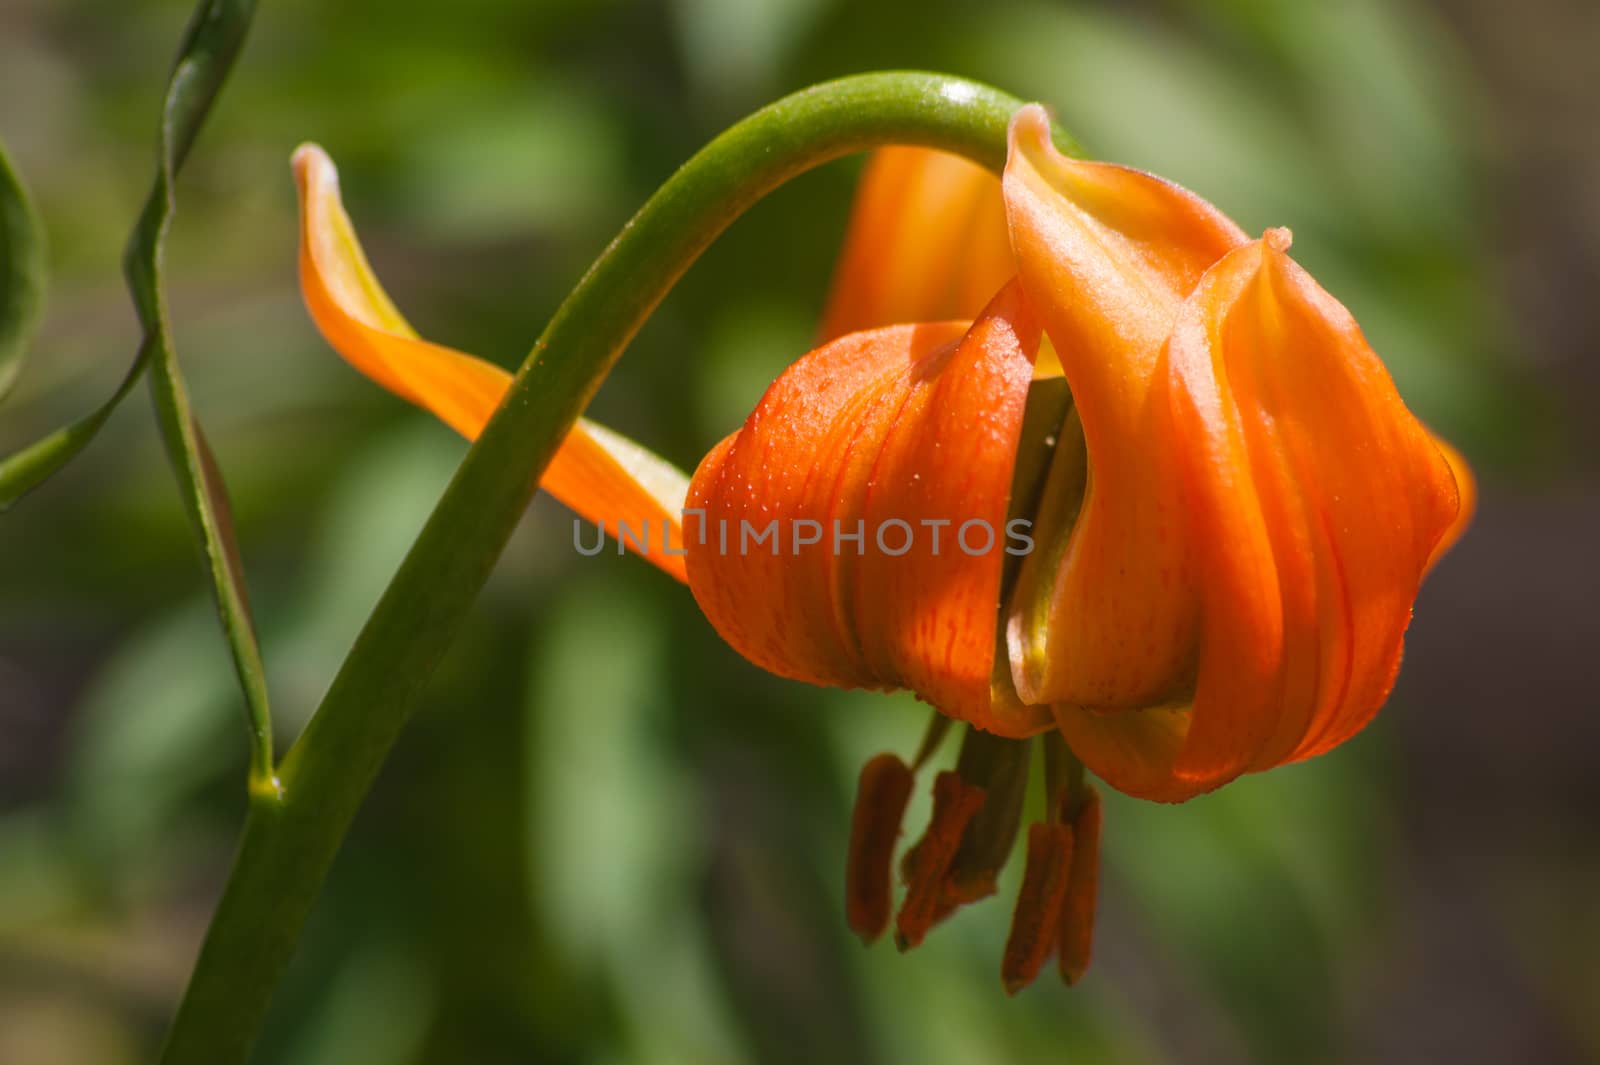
606, 838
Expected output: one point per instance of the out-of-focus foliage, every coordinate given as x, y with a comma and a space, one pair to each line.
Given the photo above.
607, 838
21, 272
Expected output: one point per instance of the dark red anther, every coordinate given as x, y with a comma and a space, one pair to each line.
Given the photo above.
955, 803
882, 792
1077, 913
1000, 767
1036, 922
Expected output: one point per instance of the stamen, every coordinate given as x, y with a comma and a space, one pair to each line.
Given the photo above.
976, 810
882, 792
932, 737
1036, 922
1077, 913
1064, 782
1000, 767
955, 803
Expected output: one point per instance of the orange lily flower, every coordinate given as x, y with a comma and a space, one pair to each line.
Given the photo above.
1248, 451
1227, 518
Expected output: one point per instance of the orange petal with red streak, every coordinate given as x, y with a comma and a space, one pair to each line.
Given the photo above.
877, 432
927, 242
1108, 255
1315, 501
596, 472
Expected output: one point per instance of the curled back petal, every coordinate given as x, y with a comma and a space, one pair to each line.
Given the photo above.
601, 475
1314, 501
1108, 255
1466, 488
866, 459
927, 242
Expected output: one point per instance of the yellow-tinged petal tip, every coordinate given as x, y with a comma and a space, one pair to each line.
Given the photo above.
601, 475
311, 163
1030, 127
1466, 496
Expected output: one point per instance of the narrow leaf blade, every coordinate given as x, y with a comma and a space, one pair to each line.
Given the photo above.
212, 41
22, 270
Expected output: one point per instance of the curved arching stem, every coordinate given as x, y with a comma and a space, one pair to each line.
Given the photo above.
290, 839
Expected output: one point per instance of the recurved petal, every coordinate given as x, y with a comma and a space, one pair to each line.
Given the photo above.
1134, 751
1314, 501
929, 616
1107, 255
1374, 489
927, 242
1467, 487
867, 458
603, 476
795, 467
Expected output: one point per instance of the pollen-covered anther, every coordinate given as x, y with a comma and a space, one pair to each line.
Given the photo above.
882, 792
1036, 922
999, 767
1083, 884
926, 865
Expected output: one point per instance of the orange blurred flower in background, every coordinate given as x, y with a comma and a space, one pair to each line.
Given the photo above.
1229, 509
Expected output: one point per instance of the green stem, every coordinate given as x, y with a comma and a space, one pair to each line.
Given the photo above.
290, 840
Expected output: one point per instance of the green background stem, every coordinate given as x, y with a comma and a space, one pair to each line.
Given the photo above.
291, 838
214, 37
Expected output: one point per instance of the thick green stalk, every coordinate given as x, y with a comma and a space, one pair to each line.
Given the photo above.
290, 841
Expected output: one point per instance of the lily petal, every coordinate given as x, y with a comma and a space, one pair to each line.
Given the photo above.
601, 475
1314, 500
895, 434
1467, 487
927, 242
1108, 255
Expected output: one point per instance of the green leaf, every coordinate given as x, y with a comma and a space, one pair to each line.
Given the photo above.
206, 498
215, 35
210, 44
21, 273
